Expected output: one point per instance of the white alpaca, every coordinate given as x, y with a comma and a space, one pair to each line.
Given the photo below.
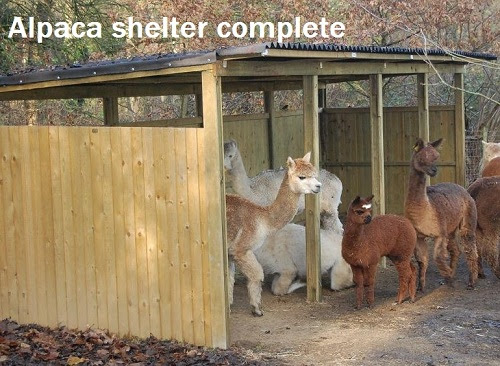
491, 150
249, 225
284, 255
263, 188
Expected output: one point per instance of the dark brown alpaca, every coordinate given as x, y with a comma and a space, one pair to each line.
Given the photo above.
492, 168
366, 241
440, 211
486, 193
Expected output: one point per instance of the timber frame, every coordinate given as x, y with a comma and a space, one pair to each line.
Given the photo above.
262, 67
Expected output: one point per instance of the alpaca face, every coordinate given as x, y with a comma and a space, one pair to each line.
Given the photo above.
302, 176
491, 150
230, 154
360, 210
425, 156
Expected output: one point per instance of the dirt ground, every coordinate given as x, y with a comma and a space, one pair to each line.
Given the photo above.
445, 326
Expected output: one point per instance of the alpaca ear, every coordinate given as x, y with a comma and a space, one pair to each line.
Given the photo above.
290, 163
307, 157
356, 200
436, 143
370, 198
419, 145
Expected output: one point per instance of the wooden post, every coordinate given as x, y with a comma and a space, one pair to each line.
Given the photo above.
269, 109
110, 105
377, 148
459, 129
216, 208
423, 109
311, 143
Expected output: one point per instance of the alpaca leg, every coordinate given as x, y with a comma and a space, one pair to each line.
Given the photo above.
441, 256
480, 245
369, 276
405, 274
412, 283
282, 282
231, 281
454, 252
470, 250
488, 246
252, 270
358, 280
422, 256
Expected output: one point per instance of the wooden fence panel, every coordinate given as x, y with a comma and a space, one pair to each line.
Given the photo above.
105, 227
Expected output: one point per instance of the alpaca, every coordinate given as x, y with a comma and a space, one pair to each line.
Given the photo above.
284, 255
440, 211
491, 150
486, 193
248, 224
366, 241
263, 188
492, 168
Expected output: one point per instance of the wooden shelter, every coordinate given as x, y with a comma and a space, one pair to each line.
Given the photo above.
123, 226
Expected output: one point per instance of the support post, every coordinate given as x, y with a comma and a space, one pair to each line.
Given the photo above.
423, 109
311, 143
459, 129
110, 105
213, 152
269, 109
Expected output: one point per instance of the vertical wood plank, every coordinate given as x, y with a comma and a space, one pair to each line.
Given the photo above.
47, 224
130, 231
110, 107
140, 234
97, 177
311, 143
58, 224
459, 129
119, 232
216, 208
377, 144
195, 236
151, 235
4, 180
162, 178
271, 127
423, 109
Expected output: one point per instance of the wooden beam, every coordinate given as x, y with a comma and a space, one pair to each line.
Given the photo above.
377, 141
215, 221
269, 109
311, 143
459, 129
110, 106
301, 67
423, 109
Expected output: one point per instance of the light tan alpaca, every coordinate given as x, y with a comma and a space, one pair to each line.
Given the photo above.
491, 150
248, 224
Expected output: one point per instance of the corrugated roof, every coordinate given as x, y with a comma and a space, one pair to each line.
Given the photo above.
172, 60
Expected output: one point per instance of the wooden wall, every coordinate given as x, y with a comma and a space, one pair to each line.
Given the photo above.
345, 146
108, 227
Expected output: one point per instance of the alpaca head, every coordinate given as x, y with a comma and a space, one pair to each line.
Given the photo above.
360, 210
425, 156
230, 154
491, 150
302, 175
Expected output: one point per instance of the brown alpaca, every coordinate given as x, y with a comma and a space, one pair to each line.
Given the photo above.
440, 211
486, 193
492, 168
366, 241
248, 224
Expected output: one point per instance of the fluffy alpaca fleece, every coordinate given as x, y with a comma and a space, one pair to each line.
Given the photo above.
284, 255
491, 150
440, 211
492, 168
248, 224
486, 193
366, 241
263, 188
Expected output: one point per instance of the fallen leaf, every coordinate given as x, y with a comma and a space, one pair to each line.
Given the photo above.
72, 360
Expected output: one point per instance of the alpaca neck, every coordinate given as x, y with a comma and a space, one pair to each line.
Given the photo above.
240, 180
285, 207
417, 187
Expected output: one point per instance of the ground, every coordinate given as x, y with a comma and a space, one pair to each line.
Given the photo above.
445, 326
